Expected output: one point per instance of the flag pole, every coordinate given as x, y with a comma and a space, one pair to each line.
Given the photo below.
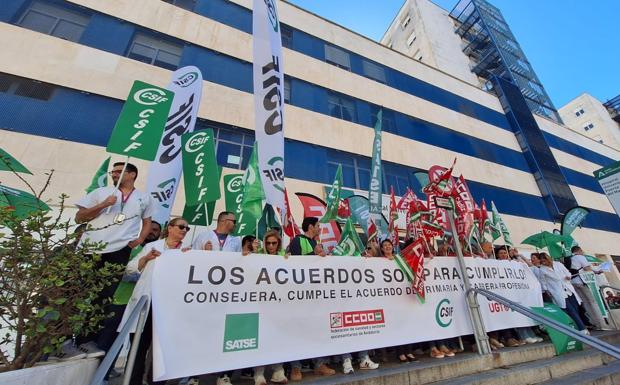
118, 184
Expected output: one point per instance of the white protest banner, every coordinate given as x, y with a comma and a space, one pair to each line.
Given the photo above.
165, 171
223, 311
268, 75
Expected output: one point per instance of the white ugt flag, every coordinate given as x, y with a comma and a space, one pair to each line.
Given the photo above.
269, 100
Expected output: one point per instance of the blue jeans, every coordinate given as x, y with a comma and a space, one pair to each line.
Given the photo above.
572, 309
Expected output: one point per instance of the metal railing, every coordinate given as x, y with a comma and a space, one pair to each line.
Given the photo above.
586, 339
139, 312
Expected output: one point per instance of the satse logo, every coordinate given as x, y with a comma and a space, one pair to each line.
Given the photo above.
356, 318
240, 332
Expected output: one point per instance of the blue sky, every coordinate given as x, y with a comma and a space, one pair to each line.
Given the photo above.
572, 44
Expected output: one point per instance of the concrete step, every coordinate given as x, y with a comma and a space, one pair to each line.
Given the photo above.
608, 374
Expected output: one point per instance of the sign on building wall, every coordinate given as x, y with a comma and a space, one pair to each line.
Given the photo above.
609, 179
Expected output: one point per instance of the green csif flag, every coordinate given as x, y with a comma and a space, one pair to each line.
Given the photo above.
101, 177
201, 214
350, 243
562, 343
333, 198
200, 170
140, 125
233, 193
267, 222
252, 200
498, 224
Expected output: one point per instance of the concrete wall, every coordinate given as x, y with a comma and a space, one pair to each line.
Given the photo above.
605, 128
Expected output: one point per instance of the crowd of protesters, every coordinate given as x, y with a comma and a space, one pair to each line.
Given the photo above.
121, 218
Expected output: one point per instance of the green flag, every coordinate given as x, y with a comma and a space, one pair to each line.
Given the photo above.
200, 171
201, 214
562, 343
233, 193
333, 198
350, 243
498, 223
8, 163
101, 177
140, 125
253, 195
375, 194
267, 222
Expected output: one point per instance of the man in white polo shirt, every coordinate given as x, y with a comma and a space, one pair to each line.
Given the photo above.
579, 263
119, 218
219, 239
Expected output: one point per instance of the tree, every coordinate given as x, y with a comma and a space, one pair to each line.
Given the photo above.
48, 286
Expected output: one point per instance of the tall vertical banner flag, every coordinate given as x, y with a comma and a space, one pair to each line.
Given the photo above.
165, 171
233, 193
101, 177
252, 201
200, 172
374, 190
139, 127
268, 100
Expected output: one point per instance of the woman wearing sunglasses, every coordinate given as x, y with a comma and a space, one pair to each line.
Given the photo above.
144, 263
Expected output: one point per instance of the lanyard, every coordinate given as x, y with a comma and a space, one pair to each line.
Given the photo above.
124, 198
222, 242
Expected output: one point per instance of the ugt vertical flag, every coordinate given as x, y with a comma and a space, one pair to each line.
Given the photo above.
374, 191
165, 171
268, 100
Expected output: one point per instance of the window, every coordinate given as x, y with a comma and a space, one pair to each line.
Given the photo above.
536, 87
185, 4
405, 22
341, 107
387, 121
579, 111
287, 90
355, 169
337, 57
411, 39
286, 33
29, 88
55, 20
233, 148
154, 50
523, 65
588, 126
373, 71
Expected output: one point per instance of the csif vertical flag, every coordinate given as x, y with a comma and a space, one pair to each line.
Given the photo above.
268, 100
374, 190
253, 195
101, 177
165, 171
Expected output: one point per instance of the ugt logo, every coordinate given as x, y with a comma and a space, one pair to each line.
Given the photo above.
240, 332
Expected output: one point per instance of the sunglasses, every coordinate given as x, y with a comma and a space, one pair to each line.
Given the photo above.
234, 221
182, 227
271, 243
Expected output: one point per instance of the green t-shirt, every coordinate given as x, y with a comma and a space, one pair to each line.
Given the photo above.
125, 289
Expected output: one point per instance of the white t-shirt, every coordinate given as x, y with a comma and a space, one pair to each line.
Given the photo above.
139, 206
578, 262
231, 243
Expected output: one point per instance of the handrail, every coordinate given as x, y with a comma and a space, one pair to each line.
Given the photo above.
586, 339
110, 357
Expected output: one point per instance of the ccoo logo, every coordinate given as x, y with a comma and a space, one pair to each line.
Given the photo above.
150, 96
443, 313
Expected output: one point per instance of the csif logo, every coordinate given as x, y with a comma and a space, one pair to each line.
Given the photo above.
197, 142
186, 80
235, 184
272, 14
164, 191
240, 332
150, 96
275, 173
444, 313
